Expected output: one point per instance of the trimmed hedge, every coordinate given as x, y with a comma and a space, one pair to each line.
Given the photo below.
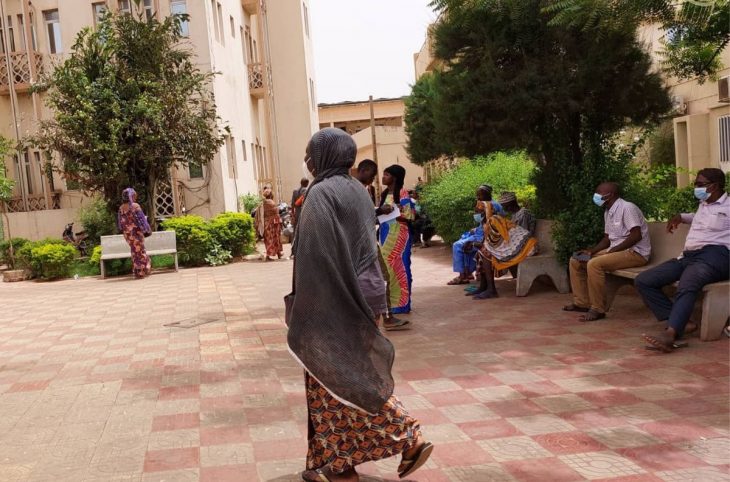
53, 261
234, 232
5, 250
194, 241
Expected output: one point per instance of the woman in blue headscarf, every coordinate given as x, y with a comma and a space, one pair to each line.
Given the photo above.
132, 223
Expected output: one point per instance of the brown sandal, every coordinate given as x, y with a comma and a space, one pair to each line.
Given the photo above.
662, 342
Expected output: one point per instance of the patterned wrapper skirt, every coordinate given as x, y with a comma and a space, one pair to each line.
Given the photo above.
341, 437
395, 242
272, 236
141, 263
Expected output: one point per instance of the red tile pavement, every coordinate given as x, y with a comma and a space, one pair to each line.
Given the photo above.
508, 389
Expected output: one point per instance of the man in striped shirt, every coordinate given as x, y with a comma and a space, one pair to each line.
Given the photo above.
625, 244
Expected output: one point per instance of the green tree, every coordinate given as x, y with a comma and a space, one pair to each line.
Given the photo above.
698, 30
513, 80
423, 142
129, 103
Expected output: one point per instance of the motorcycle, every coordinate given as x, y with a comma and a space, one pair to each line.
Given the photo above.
287, 227
77, 239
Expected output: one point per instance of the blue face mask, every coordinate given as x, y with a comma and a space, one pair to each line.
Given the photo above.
598, 200
701, 193
478, 218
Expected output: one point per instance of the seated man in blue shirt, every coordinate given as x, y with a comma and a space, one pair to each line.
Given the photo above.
465, 249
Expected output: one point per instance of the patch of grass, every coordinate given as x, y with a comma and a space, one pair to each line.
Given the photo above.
163, 261
84, 269
118, 267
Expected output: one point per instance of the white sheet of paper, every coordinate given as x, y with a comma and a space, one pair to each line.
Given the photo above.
384, 218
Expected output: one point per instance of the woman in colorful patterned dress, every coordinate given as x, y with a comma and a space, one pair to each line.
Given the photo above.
132, 223
333, 315
269, 225
395, 239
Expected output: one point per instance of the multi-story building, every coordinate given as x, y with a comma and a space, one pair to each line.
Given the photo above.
701, 114
264, 90
384, 141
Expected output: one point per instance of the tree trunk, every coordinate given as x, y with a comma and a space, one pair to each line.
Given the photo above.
11, 251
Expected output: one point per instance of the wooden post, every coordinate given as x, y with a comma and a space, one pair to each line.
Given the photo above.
372, 131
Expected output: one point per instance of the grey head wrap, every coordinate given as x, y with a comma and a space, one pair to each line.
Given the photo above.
332, 330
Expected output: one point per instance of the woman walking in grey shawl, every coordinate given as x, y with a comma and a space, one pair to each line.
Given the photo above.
333, 315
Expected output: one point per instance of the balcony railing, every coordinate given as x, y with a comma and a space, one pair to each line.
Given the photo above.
256, 82
35, 203
20, 70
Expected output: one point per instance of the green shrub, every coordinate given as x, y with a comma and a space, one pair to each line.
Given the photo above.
24, 256
194, 240
249, 202
5, 250
97, 220
218, 256
450, 199
53, 261
234, 232
95, 257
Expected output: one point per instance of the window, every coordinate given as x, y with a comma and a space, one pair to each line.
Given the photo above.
195, 170
215, 21
28, 173
125, 6
21, 33
149, 9
179, 7
306, 18
724, 125
2, 37
243, 149
99, 9
53, 28
231, 155
311, 92
220, 25
233, 26
11, 34
248, 45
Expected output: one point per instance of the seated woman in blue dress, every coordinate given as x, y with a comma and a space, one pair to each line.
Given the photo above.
465, 249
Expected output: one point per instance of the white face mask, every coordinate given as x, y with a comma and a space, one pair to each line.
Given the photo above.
306, 173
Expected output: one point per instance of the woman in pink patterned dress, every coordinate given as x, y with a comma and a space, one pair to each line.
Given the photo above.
132, 223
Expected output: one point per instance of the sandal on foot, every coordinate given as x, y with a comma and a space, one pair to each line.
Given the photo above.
485, 295
471, 289
573, 307
408, 466
397, 325
592, 315
316, 475
662, 342
458, 281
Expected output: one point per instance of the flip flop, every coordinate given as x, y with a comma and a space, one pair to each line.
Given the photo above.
321, 477
485, 295
400, 325
458, 281
408, 466
572, 307
591, 315
676, 345
660, 342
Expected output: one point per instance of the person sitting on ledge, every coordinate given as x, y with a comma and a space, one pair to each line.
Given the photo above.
507, 242
465, 249
704, 260
625, 244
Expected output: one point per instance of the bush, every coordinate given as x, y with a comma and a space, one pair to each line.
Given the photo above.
95, 258
5, 250
218, 256
450, 199
53, 261
24, 256
249, 202
194, 240
234, 232
97, 220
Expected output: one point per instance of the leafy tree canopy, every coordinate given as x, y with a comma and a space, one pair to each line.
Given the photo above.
423, 144
513, 79
697, 30
128, 104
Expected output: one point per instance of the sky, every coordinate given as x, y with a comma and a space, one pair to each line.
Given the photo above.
366, 47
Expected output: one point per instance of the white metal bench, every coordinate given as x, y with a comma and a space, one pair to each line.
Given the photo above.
543, 263
116, 247
665, 246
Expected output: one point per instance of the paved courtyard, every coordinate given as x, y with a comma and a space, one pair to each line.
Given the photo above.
95, 387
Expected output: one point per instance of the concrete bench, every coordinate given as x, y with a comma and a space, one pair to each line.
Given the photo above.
665, 246
116, 247
543, 263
